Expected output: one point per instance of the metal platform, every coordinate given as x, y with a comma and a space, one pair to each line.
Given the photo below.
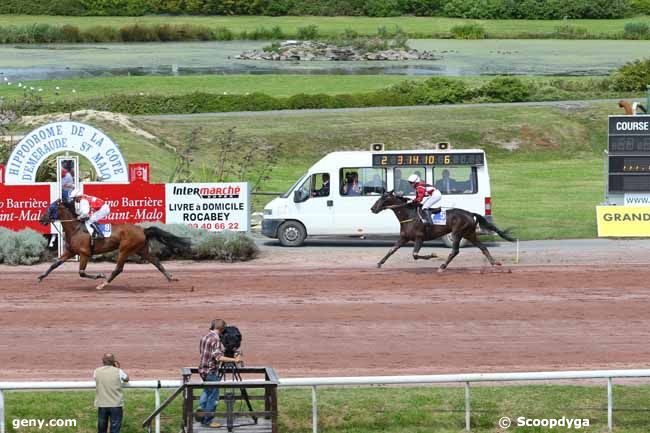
263, 426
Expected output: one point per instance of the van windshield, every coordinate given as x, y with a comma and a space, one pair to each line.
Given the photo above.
298, 182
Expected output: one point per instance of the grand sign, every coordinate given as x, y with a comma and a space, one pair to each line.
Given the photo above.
47, 140
623, 221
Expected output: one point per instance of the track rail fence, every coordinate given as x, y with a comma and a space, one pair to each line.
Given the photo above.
315, 382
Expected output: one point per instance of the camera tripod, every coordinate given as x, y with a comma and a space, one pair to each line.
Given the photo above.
226, 370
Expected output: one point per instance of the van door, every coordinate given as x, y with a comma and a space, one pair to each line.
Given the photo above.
359, 189
313, 204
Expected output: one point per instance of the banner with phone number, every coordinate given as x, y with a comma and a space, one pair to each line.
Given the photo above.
209, 206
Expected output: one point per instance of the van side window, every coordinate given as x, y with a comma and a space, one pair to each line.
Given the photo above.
456, 180
363, 181
400, 176
320, 185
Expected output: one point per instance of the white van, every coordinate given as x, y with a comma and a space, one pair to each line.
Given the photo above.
335, 196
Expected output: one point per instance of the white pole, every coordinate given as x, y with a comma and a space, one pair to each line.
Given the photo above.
314, 410
609, 404
467, 407
517, 258
157, 396
2, 412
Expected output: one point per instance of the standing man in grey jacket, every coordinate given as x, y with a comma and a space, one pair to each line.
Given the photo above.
109, 398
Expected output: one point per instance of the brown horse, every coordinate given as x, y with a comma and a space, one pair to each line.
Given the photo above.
127, 238
460, 223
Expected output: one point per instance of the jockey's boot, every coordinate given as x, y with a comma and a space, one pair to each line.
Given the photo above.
426, 213
97, 232
435, 210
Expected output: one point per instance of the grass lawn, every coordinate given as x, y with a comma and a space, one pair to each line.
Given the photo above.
329, 26
281, 85
377, 409
274, 85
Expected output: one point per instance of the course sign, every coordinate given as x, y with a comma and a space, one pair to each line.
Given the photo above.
623, 221
210, 206
57, 137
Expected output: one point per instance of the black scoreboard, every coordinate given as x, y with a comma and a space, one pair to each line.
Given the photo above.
629, 154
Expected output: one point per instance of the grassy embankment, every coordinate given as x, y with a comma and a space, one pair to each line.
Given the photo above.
366, 410
546, 187
420, 27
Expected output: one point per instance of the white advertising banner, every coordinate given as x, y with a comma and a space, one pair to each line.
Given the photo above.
637, 199
209, 206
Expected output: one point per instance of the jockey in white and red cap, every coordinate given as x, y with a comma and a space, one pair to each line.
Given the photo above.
426, 194
90, 210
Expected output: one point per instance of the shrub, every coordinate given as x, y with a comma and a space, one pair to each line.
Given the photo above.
25, 247
382, 8
307, 32
568, 31
506, 89
71, 34
138, 33
636, 30
632, 77
468, 31
641, 7
223, 34
206, 245
435, 90
100, 34
304, 101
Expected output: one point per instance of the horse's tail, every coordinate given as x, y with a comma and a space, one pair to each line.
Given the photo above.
485, 224
171, 241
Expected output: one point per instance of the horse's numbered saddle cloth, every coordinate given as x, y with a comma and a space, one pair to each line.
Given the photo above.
440, 218
107, 229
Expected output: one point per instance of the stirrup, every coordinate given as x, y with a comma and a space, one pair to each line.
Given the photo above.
97, 232
435, 210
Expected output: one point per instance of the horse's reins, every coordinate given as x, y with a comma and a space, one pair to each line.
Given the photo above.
396, 206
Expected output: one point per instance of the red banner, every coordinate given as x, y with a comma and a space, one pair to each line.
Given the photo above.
131, 203
22, 205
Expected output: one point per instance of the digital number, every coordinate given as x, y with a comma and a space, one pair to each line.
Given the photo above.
400, 159
233, 226
447, 160
430, 159
384, 160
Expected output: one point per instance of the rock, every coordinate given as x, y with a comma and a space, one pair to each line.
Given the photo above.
318, 51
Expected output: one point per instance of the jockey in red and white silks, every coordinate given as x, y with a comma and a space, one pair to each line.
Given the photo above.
426, 194
90, 209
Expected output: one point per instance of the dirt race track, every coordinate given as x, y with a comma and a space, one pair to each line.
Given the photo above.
328, 312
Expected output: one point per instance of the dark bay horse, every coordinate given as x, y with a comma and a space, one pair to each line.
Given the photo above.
127, 238
460, 223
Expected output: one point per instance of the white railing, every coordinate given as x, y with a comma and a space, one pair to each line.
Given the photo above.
315, 382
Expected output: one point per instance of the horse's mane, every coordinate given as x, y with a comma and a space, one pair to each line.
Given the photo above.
69, 205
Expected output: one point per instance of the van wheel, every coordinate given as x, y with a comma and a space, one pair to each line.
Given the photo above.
292, 234
448, 241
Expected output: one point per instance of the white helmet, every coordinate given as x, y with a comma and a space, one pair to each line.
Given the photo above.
75, 193
414, 178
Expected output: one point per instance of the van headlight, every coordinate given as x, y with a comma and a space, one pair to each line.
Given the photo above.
268, 211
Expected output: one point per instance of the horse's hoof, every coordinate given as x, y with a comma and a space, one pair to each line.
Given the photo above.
102, 285
100, 276
441, 270
40, 279
497, 263
378, 265
173, 279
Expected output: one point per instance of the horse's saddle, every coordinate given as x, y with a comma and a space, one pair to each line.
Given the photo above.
438, 216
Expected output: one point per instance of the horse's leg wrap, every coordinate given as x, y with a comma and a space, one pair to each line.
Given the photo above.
400, 243
66, 255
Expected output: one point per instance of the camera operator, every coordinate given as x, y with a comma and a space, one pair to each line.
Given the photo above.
212, 354
109, 398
